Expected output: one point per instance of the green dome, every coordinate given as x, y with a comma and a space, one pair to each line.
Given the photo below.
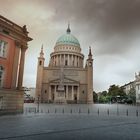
68, 39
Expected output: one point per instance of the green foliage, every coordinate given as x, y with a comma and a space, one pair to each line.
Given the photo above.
132, 95
116, 91
95, 97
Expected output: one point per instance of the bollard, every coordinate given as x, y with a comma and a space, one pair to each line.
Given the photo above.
41, 110
98, 112
88, 111
55, 110
137, 113
48, 111
108, 112
127, 112
79, 111
63, 111
71, 111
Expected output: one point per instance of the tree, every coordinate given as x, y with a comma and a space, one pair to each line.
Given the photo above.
116, 91
132, 95
104, 93
95, 97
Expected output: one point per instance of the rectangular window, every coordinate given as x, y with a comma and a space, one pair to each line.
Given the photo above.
1, 76
3, 48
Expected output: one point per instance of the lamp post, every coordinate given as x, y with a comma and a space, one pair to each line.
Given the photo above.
118, 96
38, 104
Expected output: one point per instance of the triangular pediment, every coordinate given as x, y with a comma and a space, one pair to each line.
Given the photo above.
65, 80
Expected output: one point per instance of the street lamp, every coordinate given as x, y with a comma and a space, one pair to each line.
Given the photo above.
118, 96
38, 104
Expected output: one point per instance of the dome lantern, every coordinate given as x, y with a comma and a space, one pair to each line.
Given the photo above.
68, 29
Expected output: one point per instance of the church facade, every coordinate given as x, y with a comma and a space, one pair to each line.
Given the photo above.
65, 80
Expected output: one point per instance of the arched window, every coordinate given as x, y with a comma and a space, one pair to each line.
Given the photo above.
1, 76
40, 63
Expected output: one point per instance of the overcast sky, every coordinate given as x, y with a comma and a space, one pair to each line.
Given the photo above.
110, 27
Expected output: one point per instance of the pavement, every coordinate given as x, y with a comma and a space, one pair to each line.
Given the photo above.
70, 126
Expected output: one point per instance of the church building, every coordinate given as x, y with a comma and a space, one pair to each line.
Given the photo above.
65, 79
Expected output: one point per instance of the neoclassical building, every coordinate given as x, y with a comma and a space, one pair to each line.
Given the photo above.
137, 87
65, 80
13, 45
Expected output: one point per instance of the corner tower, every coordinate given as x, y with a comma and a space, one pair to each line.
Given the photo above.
40, 68
90, 78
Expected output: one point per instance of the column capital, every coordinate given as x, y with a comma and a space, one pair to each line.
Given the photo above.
20, 44
24, 47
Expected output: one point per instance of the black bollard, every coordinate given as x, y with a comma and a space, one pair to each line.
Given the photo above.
63, 111
108, 112
71, 111
137, 113
55, 110
88, 111
127, 112
98, 112
79, 111
48, 111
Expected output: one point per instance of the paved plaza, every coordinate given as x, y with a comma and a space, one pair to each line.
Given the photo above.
66, 125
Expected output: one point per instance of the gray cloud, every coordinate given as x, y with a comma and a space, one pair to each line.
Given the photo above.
106, 21
111, 27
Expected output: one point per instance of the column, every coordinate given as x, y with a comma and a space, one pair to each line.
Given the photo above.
67, 92
78, 93
21, 67
57, 60
72, 93
60, 60
64, 60
78, 61
82, 62
75, 61
68, 60
50, 93
52, 61
72, 60
55, 95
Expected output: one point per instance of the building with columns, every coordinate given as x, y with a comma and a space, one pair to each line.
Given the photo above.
137, 87
13, 45
65, 79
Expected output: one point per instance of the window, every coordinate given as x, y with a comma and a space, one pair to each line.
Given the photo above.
3, 48
40, 63
1, 76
